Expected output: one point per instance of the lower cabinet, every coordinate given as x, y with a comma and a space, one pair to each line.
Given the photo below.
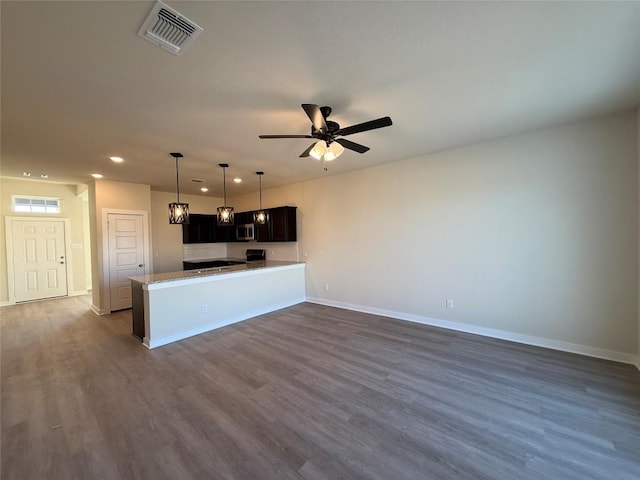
137, 309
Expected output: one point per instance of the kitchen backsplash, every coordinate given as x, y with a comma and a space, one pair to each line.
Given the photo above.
287, 251
197, 251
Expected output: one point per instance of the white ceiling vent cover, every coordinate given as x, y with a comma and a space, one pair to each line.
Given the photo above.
168, 29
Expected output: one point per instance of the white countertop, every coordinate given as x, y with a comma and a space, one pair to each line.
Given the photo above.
151, 278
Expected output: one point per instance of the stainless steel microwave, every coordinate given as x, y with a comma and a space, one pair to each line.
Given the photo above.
245, 232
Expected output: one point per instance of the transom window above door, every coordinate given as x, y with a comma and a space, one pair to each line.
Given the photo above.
30, 204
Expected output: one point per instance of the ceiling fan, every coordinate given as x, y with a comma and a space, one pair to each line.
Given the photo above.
328, 146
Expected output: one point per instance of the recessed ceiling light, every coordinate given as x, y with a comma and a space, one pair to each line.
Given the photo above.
44, 176
117, 159
204, 189
237, 180
96, 175
26, 174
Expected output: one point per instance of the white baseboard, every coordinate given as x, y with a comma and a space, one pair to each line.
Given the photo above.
99, 311
6, 303
489, 332
77, 293
219, 324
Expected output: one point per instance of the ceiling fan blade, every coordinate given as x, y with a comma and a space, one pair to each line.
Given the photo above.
306, 152
315, 115
356, 147
363, 127
285, 136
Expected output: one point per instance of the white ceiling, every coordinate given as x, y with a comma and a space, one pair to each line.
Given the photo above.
79, 85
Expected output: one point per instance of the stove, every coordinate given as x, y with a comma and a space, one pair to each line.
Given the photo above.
255, 254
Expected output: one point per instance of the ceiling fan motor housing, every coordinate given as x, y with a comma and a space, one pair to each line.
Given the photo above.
332, 128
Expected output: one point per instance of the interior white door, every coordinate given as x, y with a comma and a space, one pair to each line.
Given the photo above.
126, 256
39, 259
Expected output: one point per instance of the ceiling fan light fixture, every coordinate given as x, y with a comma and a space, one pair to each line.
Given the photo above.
333, 152
225, 214
319, 150
178, 211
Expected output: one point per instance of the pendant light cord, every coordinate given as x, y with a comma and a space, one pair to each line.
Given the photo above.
224, 184
177, 181
260, 191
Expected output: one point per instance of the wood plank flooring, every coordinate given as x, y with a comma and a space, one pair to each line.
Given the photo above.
308, 392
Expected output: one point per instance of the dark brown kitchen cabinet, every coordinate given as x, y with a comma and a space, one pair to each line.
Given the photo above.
243, 218
205, 229
281, 226
224, 233
200, 229
263, 231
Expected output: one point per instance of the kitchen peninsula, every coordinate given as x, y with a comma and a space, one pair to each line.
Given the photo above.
171, 306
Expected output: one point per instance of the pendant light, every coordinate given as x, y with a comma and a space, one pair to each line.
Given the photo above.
225, 214
260, 217
178, 212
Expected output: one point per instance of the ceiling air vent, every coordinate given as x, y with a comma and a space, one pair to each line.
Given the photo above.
168, 29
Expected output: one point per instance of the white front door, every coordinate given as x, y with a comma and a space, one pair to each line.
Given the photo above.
38, 258
126, 256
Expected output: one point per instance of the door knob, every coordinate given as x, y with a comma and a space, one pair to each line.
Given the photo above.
141, 264
62, 263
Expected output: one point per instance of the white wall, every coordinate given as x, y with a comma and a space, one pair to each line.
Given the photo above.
535, 234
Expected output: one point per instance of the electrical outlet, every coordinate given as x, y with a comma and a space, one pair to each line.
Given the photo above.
449, 304
204, 308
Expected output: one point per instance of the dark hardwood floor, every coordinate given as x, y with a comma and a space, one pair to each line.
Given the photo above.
308, 392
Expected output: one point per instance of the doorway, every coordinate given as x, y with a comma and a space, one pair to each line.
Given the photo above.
37, 258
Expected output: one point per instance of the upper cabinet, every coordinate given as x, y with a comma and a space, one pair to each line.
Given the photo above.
200, 229
281, 226
243, 218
